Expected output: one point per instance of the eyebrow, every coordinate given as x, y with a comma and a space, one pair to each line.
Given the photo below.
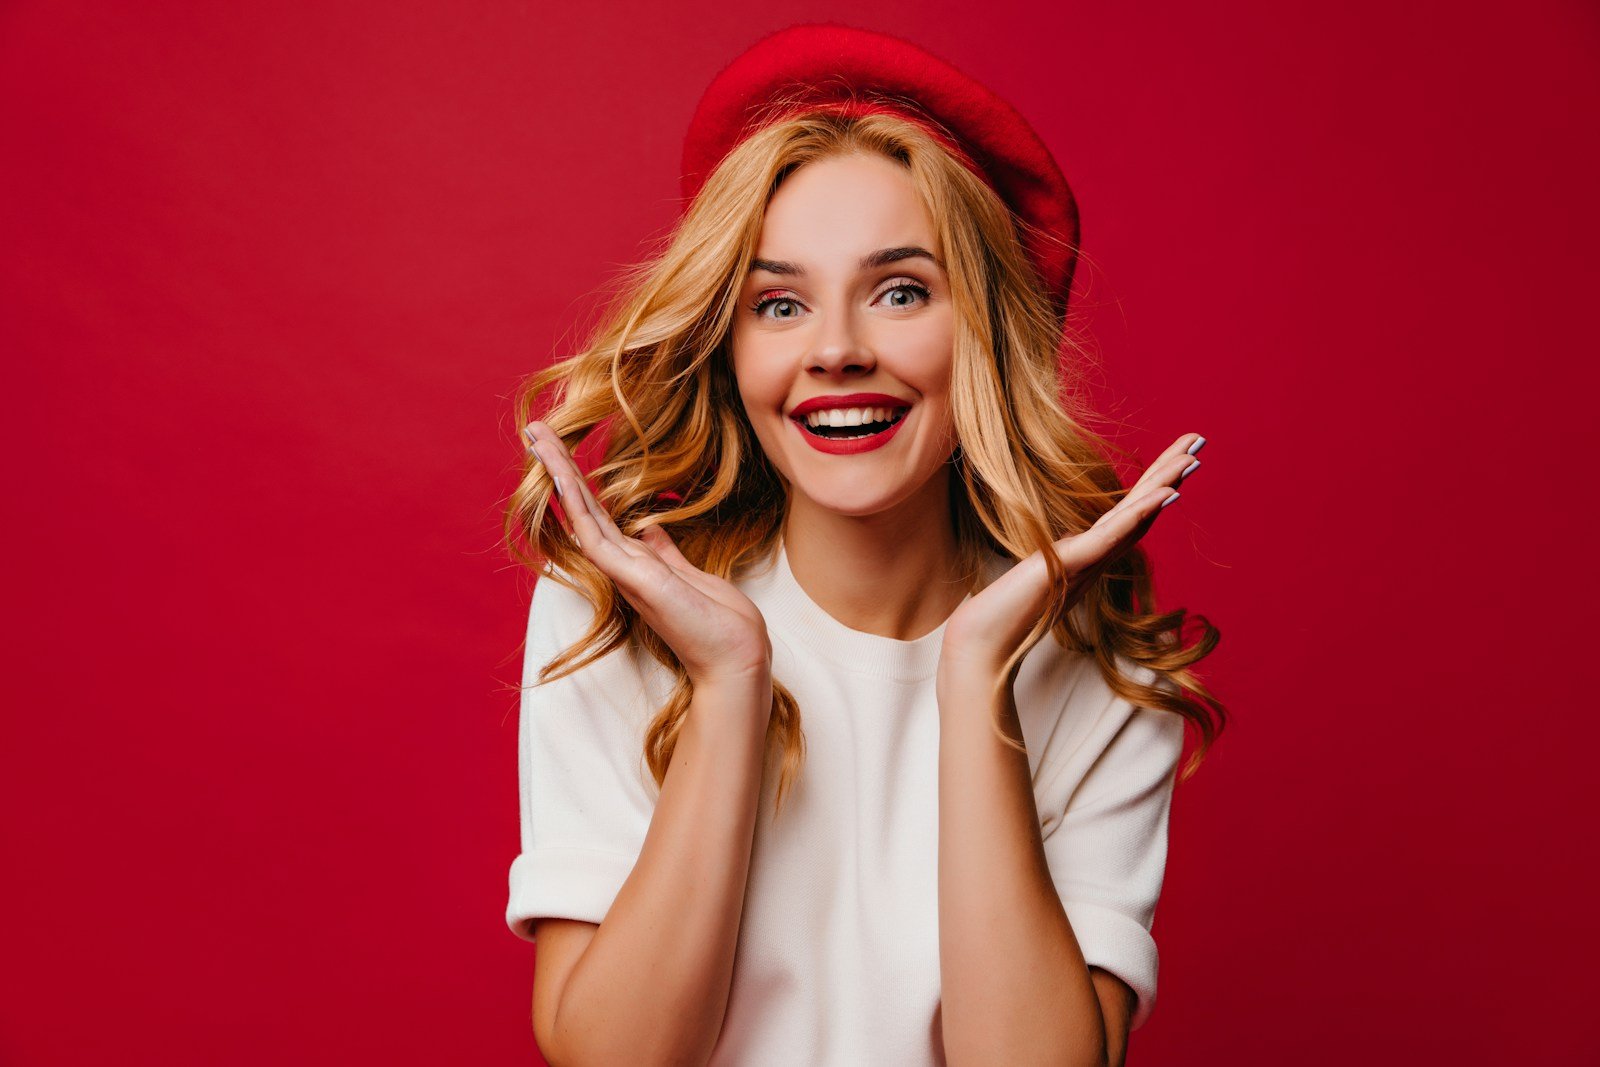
870, 261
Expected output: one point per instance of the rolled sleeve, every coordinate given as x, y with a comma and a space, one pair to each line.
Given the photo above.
569, 883
1108, 852
585, 793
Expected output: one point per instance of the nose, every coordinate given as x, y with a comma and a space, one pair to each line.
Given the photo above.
838, 348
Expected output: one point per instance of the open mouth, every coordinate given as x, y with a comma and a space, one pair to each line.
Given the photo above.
851, 433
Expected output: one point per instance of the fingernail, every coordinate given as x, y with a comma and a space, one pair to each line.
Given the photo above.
559, 491
1197, 446
1169, 500
1189, 469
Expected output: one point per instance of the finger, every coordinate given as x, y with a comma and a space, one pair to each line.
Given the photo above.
591, 537
658, 538
1169, 469
643, 578
531, 448
553, 453
1185, 446
661, 541
647, 580
613, 557
1115, 531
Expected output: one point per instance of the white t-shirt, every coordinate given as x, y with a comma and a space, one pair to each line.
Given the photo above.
838, 951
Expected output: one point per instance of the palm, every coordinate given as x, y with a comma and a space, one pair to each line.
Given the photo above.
712, 627
990, 626
713, 603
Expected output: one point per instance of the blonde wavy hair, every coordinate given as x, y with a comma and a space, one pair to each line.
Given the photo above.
680, 452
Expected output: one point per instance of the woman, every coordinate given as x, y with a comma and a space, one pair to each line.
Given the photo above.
843, 487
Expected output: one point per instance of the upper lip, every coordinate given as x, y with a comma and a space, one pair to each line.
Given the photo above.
847, 400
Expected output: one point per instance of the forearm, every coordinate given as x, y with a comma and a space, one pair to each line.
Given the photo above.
1016, 988
653, 985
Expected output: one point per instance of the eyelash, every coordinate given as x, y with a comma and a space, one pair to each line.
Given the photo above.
905, 283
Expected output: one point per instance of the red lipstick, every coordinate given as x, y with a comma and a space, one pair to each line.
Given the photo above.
847, 400
849, 445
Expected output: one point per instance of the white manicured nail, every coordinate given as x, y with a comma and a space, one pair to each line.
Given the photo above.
1169, 500
1197, 446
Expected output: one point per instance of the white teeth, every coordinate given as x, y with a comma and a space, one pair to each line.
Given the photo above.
849, 416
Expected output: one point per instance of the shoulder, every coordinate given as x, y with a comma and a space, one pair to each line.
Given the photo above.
560, 590
1071, 713
1115, 716
560, 611
559, 617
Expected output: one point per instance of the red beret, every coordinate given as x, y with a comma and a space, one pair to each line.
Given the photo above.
850, 70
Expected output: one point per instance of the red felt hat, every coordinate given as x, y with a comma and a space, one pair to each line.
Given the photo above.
827, 65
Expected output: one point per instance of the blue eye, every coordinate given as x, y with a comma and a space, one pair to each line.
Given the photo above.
764, 300
907, 286
772, 297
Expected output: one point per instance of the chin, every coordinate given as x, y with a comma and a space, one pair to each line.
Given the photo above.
857, 502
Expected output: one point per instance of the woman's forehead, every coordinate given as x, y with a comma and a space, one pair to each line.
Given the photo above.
842, 211
864, 192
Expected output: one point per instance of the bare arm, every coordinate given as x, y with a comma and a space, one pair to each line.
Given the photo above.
1016, 988
652, 986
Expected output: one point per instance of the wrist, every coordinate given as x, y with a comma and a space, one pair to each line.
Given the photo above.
735, 682
968, 667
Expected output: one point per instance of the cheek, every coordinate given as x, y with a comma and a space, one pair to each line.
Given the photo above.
942, 423
761, 381
930, 370
933, 382
932, 351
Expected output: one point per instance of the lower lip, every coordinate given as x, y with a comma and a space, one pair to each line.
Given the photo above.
844, 447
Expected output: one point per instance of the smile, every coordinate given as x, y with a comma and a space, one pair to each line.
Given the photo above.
836, 433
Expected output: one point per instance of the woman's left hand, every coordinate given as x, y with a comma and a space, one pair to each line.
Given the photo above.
985, 630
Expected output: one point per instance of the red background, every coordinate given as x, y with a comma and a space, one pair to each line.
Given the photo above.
271, 273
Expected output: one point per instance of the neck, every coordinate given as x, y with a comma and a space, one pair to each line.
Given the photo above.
894, 574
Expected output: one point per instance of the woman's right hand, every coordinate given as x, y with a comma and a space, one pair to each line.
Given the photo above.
715, 630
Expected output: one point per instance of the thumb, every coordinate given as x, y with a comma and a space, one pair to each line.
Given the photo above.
661, 542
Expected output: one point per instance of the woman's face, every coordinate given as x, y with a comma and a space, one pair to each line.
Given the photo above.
848, 296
